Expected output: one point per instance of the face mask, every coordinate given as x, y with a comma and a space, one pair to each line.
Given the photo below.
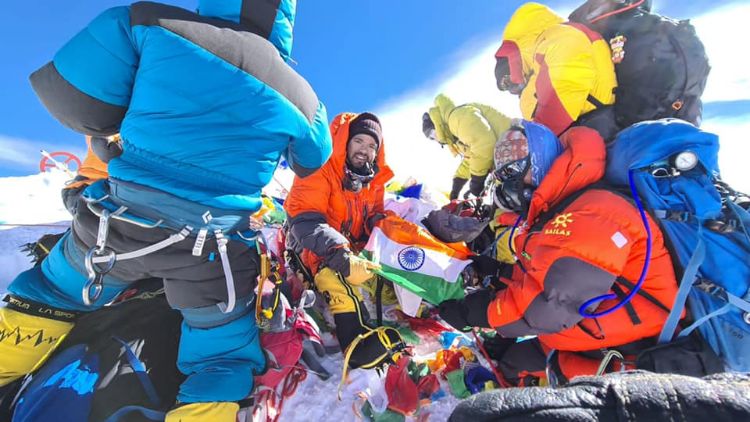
355, 181
513, 193
505, 84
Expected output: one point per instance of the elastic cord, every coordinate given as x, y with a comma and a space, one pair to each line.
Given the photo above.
618, 11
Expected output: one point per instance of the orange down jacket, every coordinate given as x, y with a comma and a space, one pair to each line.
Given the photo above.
323, 215
577, 254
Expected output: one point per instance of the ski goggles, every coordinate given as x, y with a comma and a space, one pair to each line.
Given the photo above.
515, 169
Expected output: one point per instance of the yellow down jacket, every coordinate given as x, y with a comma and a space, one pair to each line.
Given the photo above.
469, 130
567, 67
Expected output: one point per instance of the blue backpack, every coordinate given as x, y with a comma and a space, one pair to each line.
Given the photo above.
673, 167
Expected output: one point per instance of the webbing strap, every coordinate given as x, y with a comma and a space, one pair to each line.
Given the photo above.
688, 277
150, 414
140, 371
171, 240
738, 302
594, 101
686, 332
231, 293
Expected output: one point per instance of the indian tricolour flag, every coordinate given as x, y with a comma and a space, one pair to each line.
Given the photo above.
415, 260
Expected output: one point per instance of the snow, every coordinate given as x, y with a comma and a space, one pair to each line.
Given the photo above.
315, 399
30, 206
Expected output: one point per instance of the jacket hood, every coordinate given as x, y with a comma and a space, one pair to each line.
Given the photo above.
340, 134
581, 163
439, 116
544, 148
519, 38
261, 17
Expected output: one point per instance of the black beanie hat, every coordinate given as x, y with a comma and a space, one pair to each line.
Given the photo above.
366, 123
427, 124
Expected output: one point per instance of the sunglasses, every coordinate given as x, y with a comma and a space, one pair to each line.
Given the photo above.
513, 170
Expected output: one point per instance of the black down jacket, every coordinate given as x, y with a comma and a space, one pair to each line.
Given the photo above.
622, 397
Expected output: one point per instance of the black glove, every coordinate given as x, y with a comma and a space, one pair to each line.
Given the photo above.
463, 314
104, 149
476, 186
489, 266
373, 220
458, 184
485, 265
453, 312
497, 345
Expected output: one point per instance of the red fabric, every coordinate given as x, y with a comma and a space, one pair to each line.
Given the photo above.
550, 110
590, 33
284, 350
402, 392
453, 359
423, 326
428, 386
585, 233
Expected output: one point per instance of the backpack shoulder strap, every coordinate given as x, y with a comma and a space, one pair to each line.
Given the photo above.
140, 371
688, 277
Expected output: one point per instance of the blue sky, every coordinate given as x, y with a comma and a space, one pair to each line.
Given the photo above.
390, 56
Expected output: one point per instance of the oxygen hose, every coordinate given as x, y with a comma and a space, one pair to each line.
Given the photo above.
644, 271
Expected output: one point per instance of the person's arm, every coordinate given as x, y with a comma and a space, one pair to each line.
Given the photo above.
87, 86
307, 205
473, 129
571, 265
566, 78
308, 153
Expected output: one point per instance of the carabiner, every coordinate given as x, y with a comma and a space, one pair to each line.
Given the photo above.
95, 274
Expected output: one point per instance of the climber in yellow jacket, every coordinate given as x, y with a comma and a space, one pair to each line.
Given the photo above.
561, 70
469, 130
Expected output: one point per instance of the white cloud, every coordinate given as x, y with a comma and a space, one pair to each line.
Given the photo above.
17, 151
472, 80
720, 30
734, 151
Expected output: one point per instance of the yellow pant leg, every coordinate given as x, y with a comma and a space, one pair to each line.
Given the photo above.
26, 341
204, 412
340, 295
463, 171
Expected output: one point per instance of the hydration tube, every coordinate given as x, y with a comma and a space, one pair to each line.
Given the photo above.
582, 310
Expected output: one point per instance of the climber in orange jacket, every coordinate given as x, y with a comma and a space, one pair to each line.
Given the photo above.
576, 242
331, 215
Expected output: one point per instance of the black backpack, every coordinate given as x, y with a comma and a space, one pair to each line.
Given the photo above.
661, 68
118, 363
